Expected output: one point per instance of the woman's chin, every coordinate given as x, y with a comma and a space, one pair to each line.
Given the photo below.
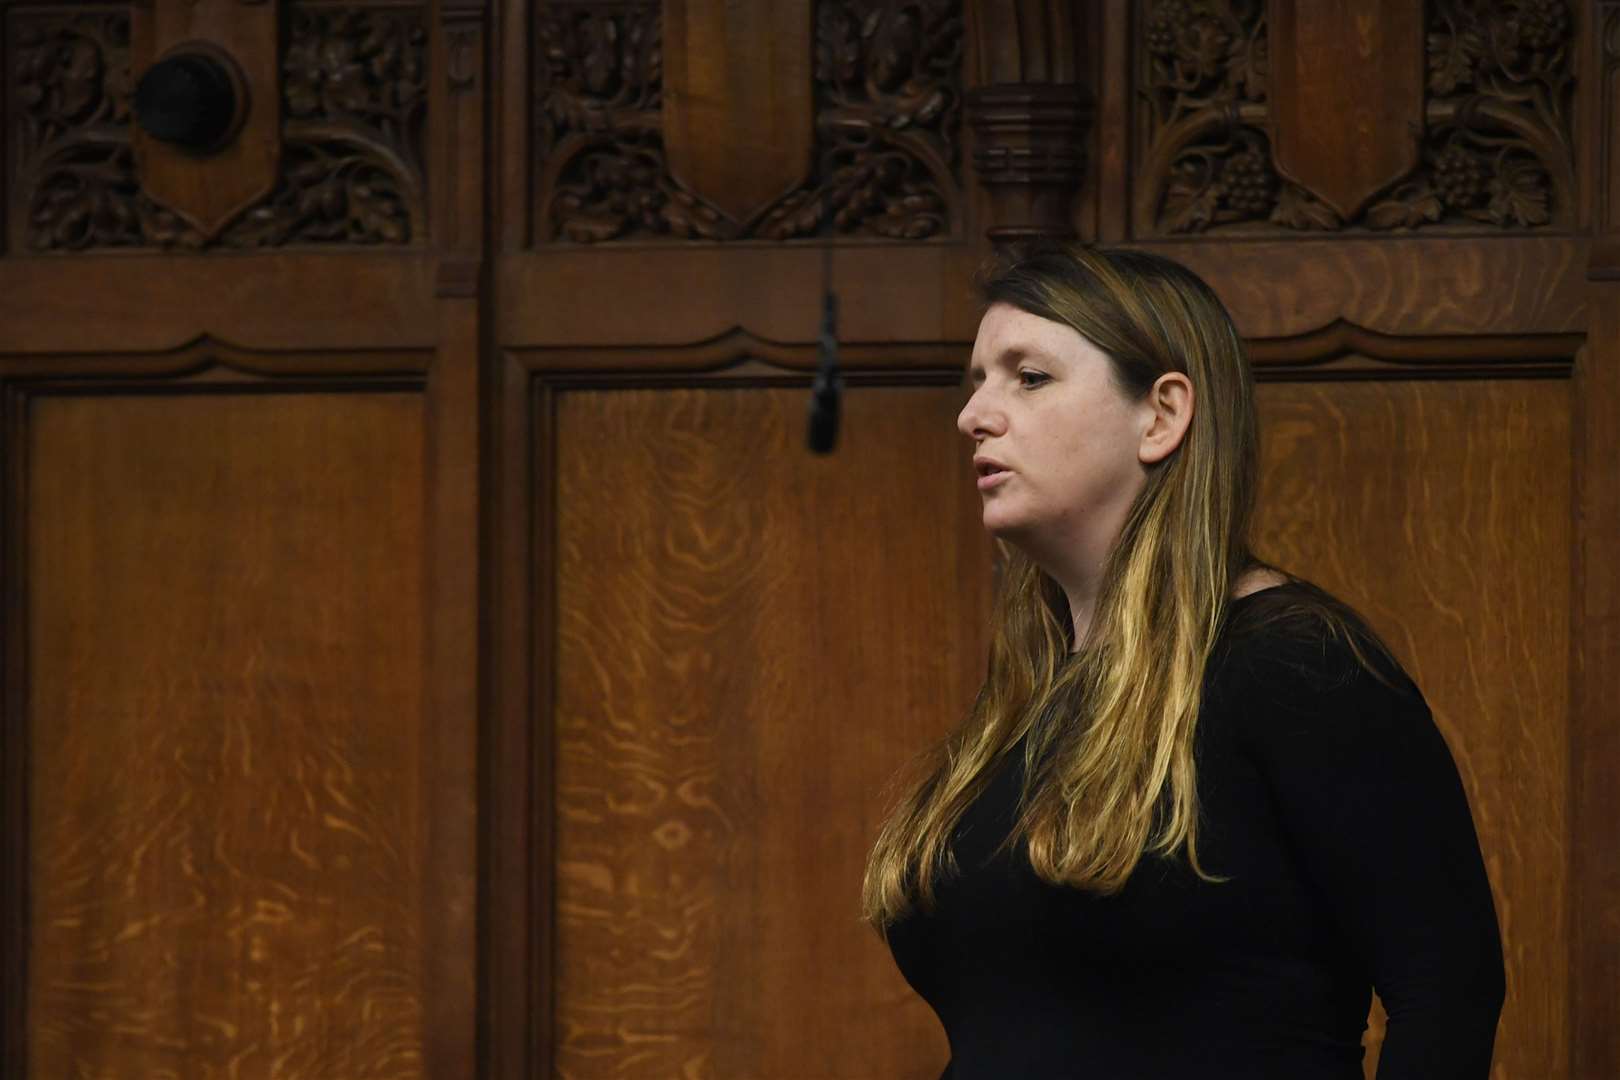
1005, 526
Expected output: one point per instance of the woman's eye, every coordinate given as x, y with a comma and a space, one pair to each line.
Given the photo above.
1027, 376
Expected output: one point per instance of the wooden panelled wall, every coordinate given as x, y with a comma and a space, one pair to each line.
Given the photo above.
429, 649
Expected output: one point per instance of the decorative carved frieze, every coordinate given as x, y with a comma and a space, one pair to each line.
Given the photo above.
354, 102
888, 105
363, 71
1202, 79
1500, 145
1497, 148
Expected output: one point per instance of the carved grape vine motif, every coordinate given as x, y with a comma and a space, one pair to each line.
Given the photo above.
1497, 147
888, 111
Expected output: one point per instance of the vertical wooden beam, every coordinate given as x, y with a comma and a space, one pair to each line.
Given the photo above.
1595, 618
14, 749
452, 871
1594, 721
514, 934
511, 104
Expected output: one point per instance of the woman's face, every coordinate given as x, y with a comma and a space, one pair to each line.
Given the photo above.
1072, 447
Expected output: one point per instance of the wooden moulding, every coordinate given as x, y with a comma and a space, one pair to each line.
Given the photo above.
1594, 1015
1344, 351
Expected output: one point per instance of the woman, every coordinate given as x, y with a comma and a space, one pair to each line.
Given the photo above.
1197, 812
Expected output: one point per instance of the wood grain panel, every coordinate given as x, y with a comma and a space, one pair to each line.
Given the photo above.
1512, 285
1442, 510
886, 293
225, 719
114, 303
750, 641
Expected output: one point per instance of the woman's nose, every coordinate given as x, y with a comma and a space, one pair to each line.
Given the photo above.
978, 416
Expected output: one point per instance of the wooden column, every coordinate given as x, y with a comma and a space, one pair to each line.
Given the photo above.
1031, 114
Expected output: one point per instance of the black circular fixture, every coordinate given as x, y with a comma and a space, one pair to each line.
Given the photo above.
188, 99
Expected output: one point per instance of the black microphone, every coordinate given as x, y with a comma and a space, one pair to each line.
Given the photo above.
825, 391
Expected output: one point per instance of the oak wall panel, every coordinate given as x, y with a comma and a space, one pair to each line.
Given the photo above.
750, 641
1443, 510
1516, 285
224, 596
121, 303
638, 296
1211, 130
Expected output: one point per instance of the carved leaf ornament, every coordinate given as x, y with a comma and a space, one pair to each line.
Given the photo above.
887, 118
1497, 145
354, 105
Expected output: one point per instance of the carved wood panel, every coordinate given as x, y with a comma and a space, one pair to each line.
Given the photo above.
1498, 125
886, 160
354, 99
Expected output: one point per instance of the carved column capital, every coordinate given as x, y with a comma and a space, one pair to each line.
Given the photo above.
1030, 153
1031, 113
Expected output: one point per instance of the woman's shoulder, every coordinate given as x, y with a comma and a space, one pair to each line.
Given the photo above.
1309, 686
1296, 641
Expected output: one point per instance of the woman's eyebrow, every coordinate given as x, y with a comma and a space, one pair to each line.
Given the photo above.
1012, 353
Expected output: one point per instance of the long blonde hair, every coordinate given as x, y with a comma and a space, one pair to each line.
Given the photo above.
1109, 767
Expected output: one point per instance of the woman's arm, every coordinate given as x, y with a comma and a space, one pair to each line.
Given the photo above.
1372, 801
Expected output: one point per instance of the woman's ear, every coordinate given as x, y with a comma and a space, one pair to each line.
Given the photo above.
1168, 414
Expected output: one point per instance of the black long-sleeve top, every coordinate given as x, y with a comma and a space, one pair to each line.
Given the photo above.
1336, 808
